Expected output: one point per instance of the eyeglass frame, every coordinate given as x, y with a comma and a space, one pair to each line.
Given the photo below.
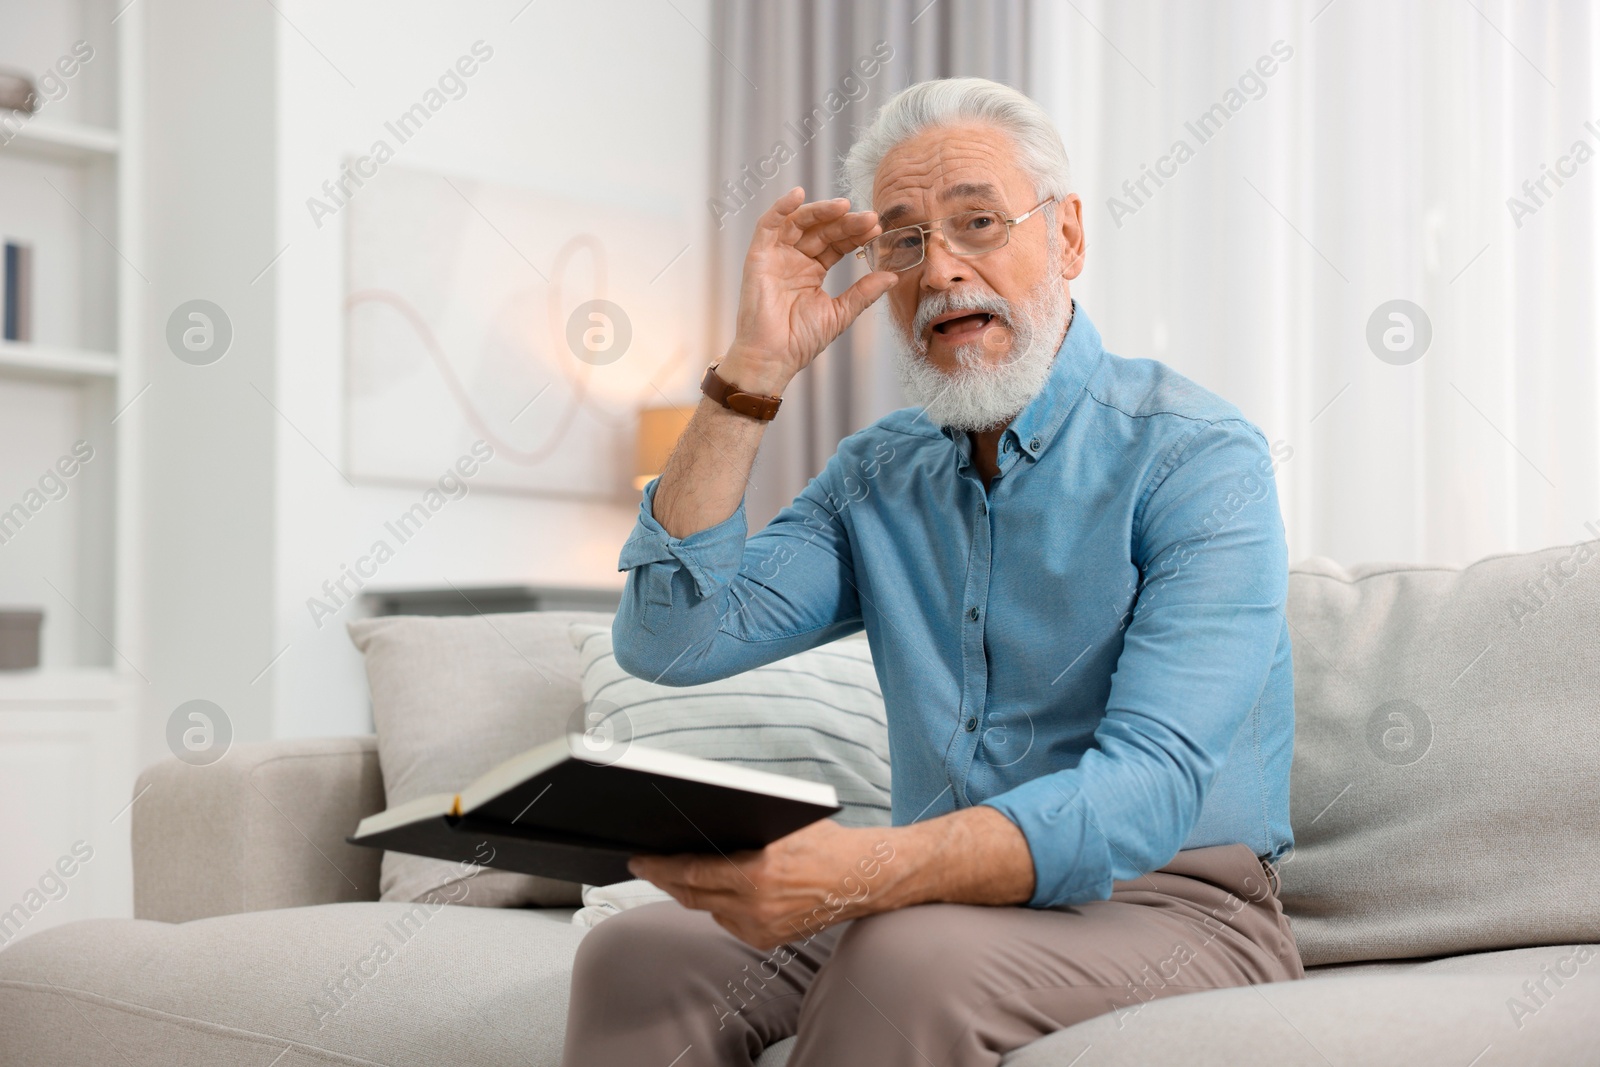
927, 232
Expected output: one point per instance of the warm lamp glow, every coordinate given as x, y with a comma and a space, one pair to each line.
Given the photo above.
659, 430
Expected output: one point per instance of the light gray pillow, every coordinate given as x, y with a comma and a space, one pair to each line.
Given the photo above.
451, 697
1447, 756
817, 715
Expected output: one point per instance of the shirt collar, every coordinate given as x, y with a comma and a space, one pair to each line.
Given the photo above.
1037, 424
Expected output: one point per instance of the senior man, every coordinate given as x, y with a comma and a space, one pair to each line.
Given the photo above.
1071, 569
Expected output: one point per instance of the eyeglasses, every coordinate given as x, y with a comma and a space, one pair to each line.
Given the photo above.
971, 233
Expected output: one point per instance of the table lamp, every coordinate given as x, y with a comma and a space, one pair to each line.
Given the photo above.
659, 430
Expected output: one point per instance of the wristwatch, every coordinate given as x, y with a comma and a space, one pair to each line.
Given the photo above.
755, 405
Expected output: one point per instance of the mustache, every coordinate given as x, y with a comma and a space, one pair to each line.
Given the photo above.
936, 304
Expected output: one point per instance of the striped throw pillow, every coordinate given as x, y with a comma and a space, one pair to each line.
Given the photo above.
817, 715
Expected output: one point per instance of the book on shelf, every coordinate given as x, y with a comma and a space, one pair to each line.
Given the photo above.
18, 289
575, 811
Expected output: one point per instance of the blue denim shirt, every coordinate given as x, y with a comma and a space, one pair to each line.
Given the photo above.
1095, 646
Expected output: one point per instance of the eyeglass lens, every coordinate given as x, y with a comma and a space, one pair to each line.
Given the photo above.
968, 234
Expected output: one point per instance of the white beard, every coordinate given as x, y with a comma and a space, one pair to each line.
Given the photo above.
978, 395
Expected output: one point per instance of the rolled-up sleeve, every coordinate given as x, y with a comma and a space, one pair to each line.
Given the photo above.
717, 602
1209, 544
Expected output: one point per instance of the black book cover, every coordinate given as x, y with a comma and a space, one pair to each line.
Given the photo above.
553, 812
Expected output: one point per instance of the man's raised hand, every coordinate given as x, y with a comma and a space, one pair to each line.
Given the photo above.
785, 317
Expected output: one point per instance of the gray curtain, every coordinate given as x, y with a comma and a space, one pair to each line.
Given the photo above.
793, 80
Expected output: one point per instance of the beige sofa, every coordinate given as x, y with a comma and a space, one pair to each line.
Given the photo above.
1443, 890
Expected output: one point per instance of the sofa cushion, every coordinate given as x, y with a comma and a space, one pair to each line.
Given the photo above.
817, 715
1447, 756
458, 986
1225, 1028
489, 987
451, 697
1521, 961
451, 987
1431, 1013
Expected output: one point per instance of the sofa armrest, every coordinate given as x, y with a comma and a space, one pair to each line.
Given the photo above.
261, 828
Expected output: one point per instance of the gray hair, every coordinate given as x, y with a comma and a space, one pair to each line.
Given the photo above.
956, 102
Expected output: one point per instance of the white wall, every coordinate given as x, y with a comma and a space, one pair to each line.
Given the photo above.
205, 435
604, 101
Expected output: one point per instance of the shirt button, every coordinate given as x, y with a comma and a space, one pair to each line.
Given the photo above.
1007, 445
972, 613
972, 724
1033, 445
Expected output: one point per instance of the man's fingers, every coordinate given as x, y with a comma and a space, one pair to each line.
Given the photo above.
681, 869
807, 216
787, 221
706, 877
830, 241
790, 209
856, 299
812, 216
775, 218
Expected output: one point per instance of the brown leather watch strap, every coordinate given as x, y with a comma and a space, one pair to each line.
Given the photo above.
755, 405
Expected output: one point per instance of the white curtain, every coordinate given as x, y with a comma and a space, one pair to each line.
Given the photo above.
1374, 163
775, 64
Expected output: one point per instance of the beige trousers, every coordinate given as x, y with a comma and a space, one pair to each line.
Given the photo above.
937, 985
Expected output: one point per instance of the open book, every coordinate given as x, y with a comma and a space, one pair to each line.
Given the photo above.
566, 811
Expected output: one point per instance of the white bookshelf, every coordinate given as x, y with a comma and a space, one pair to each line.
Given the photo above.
68, 142
69, 186
63, 364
